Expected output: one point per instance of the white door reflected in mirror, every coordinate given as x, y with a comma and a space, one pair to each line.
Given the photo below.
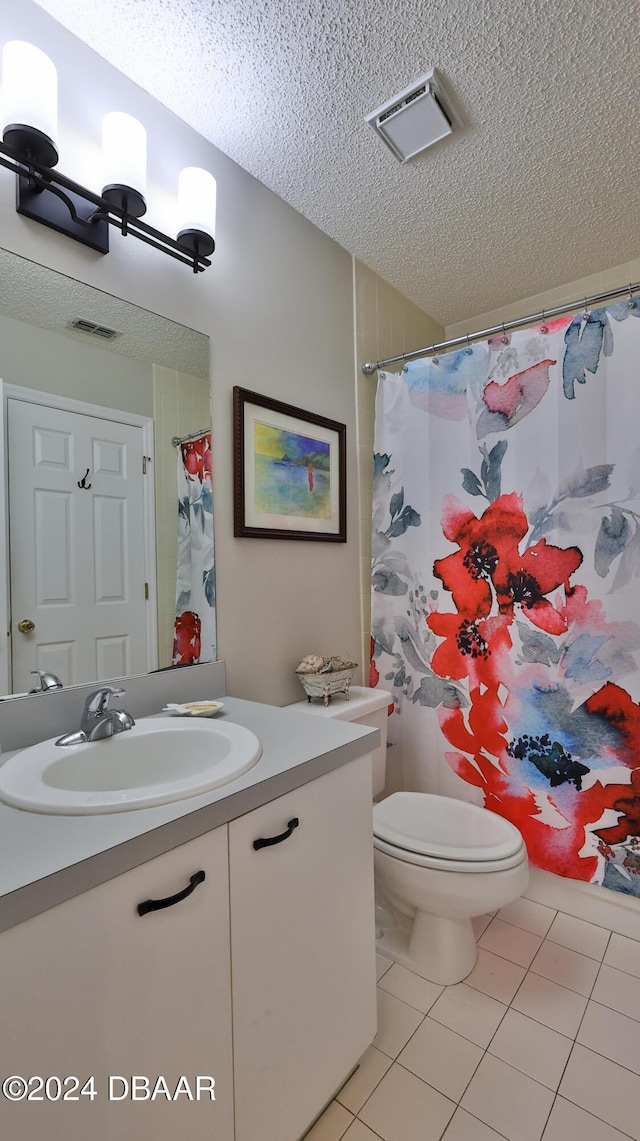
80, 569
87, 351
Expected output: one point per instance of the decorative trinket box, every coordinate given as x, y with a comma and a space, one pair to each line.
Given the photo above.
322, 677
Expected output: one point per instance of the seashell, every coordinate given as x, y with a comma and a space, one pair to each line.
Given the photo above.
310, 665
337, 664
314, 664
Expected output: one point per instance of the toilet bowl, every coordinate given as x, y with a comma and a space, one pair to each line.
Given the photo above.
439, 861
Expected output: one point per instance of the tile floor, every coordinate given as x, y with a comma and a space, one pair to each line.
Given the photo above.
540, 1043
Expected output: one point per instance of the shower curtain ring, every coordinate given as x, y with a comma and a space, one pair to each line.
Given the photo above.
468, 348
504, 338
543, 327
631, 302
586, 311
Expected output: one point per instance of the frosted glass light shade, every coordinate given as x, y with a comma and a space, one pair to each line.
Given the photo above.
124, 162
29, 102
197, 205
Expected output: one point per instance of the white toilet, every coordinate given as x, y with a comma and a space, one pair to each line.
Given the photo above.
439, 861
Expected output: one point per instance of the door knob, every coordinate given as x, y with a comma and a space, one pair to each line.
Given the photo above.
26, 626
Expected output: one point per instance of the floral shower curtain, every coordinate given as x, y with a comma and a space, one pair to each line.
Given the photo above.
195, 623
505, 594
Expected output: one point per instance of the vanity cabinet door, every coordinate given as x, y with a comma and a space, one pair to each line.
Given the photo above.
303, 950
93, 988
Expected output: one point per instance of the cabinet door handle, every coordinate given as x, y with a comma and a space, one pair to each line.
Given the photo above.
266, 843
158, 904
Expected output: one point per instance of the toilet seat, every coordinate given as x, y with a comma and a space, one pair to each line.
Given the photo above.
460, 865
445, 833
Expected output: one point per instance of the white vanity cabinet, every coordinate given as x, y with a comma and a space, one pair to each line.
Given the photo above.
92, 988
262, 978
303, 951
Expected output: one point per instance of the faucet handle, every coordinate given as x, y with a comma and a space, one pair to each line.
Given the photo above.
125, 719
98, 701
47, 680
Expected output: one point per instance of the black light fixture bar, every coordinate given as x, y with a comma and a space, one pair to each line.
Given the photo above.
46, 196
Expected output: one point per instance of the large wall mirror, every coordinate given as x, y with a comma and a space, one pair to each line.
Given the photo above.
95, 394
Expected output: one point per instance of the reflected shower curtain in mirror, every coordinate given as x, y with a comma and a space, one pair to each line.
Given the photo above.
195, 624
506, 601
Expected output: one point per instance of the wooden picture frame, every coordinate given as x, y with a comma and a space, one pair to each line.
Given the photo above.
289, 471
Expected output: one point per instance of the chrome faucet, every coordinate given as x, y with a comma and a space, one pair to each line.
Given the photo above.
98, 720
46, 681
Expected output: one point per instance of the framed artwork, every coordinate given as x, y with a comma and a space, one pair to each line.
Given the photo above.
289, 471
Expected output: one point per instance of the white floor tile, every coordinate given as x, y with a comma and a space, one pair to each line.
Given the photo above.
464, 1127
579, 936
480, 923
411, 988
612, 1034
495, 976
332, 1125
442, 1058
508, 1101
396, 1023
566, 967
373, 1066
618, 990
551, 1004
624, 954
469, 1012
603, 1089
533, 917
404, 1108
570, 1123
511, 942
358, 1131
382, 966
532, 1048
506, 1093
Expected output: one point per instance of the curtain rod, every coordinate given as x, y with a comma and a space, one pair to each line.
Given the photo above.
175, 440
372, 366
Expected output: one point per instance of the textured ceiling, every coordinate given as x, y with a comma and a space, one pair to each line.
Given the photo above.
539, 188
53, 300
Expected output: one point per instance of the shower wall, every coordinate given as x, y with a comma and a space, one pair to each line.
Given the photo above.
387, 324
614, 278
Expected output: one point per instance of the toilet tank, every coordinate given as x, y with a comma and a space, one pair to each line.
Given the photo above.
364, 707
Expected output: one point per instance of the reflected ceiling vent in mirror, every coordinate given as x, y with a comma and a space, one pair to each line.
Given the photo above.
415, 118
94, 330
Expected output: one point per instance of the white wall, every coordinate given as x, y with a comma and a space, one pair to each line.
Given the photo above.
277, 304
50, 362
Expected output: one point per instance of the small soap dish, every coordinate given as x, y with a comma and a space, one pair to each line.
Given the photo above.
194, 708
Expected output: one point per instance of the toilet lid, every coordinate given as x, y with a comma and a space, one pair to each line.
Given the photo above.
444, 827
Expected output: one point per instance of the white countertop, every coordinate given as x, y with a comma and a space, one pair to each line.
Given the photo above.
47, 859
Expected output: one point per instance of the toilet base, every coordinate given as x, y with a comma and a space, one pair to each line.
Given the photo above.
441, 950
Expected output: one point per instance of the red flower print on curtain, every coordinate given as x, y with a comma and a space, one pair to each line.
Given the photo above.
195, 622
509, 632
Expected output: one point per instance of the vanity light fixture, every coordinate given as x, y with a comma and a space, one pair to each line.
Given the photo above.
29, 148
124, 158
197, 210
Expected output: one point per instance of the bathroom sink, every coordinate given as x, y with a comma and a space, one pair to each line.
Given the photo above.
159, 760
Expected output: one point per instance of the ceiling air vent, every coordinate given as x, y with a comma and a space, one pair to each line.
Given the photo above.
84, 326
416, 118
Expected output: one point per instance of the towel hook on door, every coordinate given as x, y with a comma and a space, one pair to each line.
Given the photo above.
83, 482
